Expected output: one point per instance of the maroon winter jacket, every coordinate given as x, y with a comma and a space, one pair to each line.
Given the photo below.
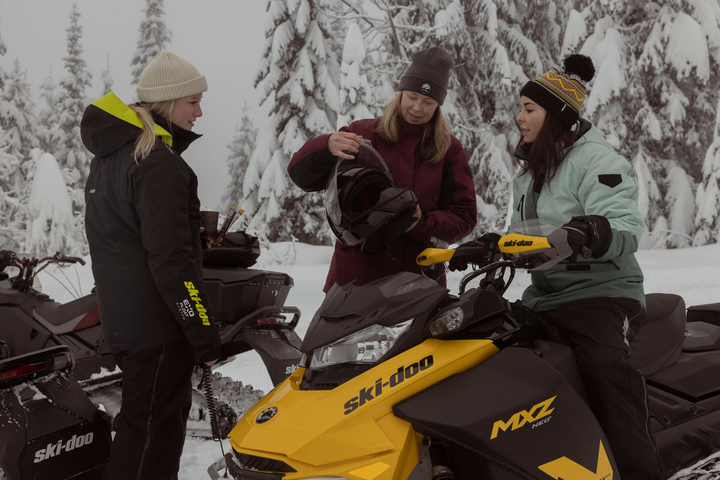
445, 191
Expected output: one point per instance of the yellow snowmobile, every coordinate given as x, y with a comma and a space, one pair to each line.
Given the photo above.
401, 379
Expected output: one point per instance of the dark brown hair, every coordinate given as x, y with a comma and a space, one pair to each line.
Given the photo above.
548, 150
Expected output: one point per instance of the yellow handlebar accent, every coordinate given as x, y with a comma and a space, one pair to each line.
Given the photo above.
516, 243
431, 256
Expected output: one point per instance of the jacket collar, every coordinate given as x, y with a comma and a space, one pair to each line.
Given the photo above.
180, 139
408, 129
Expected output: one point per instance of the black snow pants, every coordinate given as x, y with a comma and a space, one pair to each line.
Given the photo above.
598, 330
156, 399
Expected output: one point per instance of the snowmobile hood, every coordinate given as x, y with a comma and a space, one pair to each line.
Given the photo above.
108, 125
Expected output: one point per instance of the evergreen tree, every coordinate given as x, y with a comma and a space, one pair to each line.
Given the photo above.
71, 154
3, 75
106, 78
241, 149
19, 125
52, 226
49, 133
17, 116
299, 75
708, 193
12, 212
154, 36
354, 88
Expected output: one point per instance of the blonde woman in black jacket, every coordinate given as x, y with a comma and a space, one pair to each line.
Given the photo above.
143, 228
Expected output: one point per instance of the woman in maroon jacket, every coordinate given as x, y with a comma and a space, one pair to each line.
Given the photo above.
413, 138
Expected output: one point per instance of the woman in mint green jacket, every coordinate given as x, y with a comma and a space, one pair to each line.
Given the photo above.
570, 176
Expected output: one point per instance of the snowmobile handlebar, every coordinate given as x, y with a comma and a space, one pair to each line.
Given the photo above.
516, 250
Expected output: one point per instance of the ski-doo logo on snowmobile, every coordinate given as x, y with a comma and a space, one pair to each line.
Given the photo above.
290, 369
425, 88
195, 297
403, 373
57, 448
518, 243
539, 411
266, 415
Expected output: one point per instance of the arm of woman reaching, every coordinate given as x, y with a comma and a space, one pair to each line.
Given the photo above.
456, 214
311, 166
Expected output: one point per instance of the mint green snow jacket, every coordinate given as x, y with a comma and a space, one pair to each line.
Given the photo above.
593, 179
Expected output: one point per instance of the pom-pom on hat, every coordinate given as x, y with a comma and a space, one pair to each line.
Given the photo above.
428, 73
168, 77
562, 91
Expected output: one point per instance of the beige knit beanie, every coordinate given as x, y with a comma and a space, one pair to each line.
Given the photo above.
168, 77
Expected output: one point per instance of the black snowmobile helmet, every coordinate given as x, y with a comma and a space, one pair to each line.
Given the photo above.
363, 206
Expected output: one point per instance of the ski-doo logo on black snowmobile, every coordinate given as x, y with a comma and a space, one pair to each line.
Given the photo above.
375, 390
61, 446
266, 415
518, 243
541, 410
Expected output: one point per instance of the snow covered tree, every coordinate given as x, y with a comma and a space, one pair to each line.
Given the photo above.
154, 36
241, 149
354, 86
300, 76
17, 116
72, 156
3, 75
12, 212
52, 226
707, 219
106, 78
49, 133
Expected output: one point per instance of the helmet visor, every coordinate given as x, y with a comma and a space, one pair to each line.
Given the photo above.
367, 156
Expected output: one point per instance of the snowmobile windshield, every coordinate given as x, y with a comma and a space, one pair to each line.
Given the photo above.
367, 156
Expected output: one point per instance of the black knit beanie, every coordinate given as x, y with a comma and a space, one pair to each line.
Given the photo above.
561, 91
428, 73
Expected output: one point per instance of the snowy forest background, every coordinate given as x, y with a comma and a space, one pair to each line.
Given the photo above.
656, 95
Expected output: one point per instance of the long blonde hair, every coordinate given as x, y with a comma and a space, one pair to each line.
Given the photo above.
436, 137
146, 139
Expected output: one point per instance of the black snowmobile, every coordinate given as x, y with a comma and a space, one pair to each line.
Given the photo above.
401, 379
59, 349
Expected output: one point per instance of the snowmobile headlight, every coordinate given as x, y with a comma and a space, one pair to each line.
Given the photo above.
366, 346
447, 321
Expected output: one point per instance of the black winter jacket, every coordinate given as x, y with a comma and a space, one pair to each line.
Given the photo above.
143, 228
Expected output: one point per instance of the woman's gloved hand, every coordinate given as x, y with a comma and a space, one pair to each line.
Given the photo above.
478, 252
589, 236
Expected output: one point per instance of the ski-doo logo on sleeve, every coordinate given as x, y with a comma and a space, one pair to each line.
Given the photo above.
55, 449
195, 297
541, 410
375, 390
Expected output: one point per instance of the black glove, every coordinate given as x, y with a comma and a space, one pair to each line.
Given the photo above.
477, 251
589, 236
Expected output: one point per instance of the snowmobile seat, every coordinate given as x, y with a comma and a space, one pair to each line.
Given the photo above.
659, 342
63, 318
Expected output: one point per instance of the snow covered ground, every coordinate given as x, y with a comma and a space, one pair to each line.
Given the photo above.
692, 273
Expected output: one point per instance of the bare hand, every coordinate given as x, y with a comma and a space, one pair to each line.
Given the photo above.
340, 141
416, 216
208, 240
207, 364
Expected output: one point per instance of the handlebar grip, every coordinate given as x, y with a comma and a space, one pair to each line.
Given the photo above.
71, 260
